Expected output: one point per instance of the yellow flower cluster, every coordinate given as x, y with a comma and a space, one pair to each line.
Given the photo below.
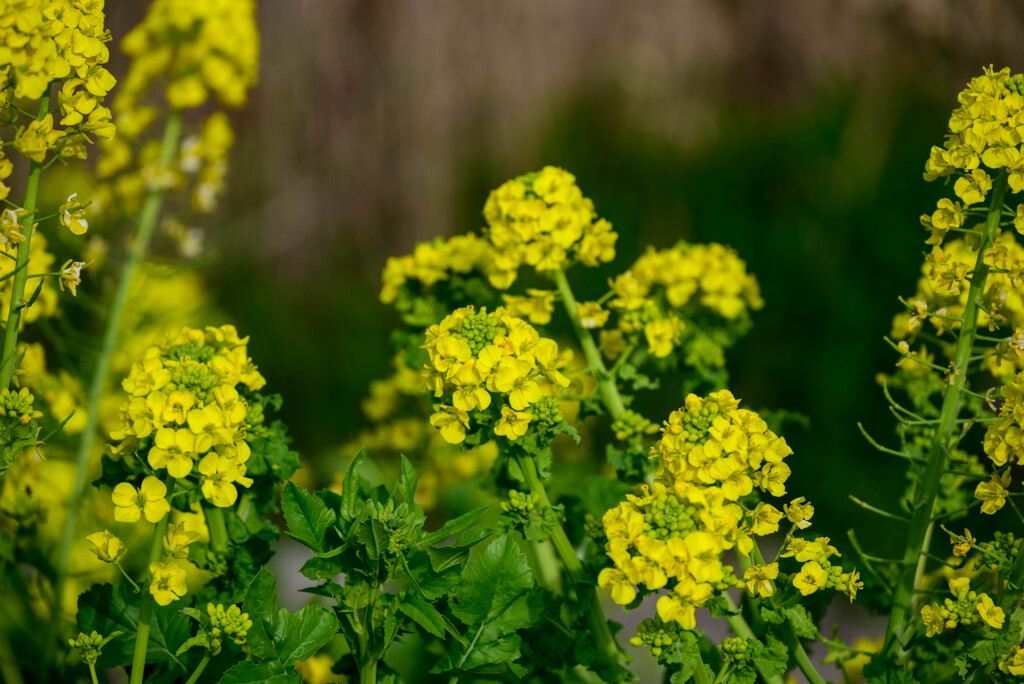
1004, 438
671, 537
185, 409
474, 354
984, 138
542, 219
434, 262
196, 48
817, 571
967, 607
199, 47
942, 296
42, 41
711, 454
654, 294
713, 442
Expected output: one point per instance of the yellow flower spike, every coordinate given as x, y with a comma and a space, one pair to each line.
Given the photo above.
148, 500
107, 547
168, 582
992, 614
811, 578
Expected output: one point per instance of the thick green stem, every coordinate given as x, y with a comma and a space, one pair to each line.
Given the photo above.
218, 530
140, 244
924, 503
199, 669
605, 380
700, 673
585, 593
146, 602
9, 349
368, 672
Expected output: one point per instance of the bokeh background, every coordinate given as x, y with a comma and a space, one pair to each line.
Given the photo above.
794, 131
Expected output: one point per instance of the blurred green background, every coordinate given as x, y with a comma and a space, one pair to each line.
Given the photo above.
794, 131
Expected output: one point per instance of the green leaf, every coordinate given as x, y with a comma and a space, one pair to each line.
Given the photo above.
268, 672
802, 622
406, 484
308, 517
684, 656
452, 527
494, 580
350, 504
280, 634
424, 614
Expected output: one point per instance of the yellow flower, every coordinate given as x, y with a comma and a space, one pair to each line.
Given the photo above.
663, 335
168, 582
933, 620
759, 579
989, 612
993, 493
799, 512
513, 424
148, 500
177, 539
812, 577
318, 670
71, 276
107, 547
671, 608
219, 475
592, 315
622, 590
72, 215
962, 545
764, 519
173, 450
451, 422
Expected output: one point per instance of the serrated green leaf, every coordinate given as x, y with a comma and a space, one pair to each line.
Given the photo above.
801, 621
308, 517
280, 634
353, 482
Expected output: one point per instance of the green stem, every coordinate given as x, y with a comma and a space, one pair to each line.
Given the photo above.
368, 672
585, 593
147, 224
605, 381
199, 669
218, 530
92, 673
924, 504
7, 352
1014, 583
700, 673
146, 602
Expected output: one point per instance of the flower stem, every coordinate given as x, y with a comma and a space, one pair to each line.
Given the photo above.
7, 352
585, 593
199, 669
218, 530
92, 673
146, 602
605, 381
147, 224
921, 522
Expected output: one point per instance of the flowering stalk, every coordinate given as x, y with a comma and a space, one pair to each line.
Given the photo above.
914, 558
147, 224
35, 169
146, 604
218, 530
199, 669
605, 381
573, 567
